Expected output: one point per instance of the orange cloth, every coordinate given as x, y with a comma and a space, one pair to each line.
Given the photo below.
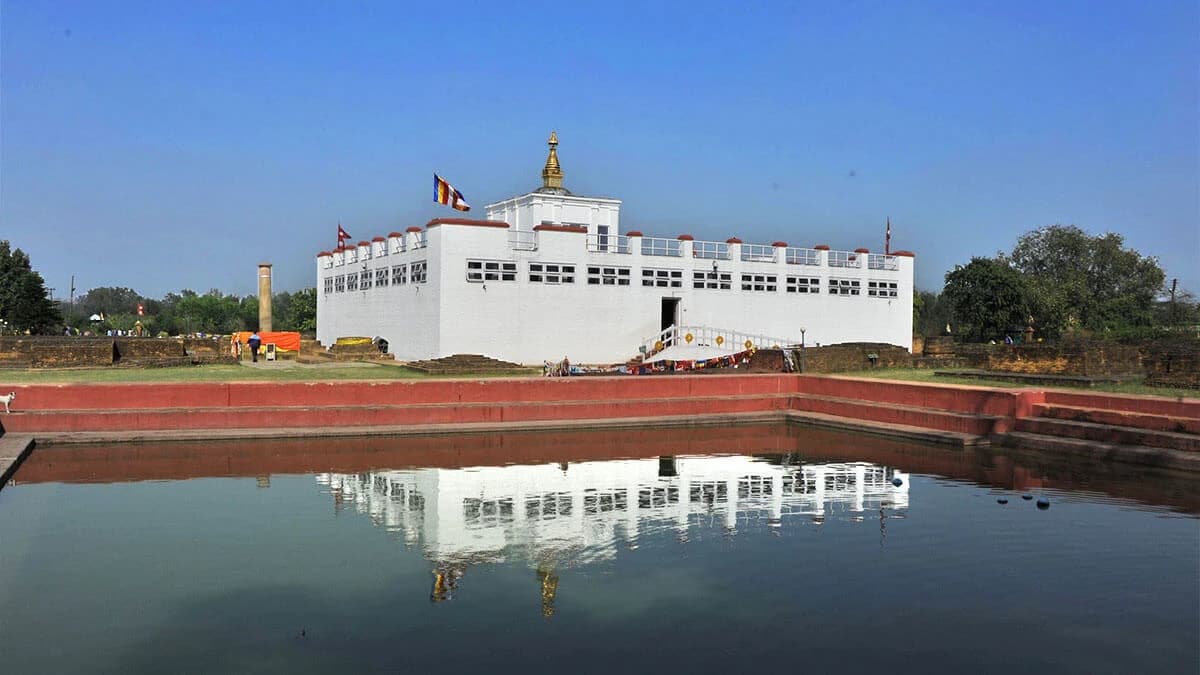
285, 341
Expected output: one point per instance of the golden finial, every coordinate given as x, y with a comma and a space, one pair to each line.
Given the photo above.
552, 175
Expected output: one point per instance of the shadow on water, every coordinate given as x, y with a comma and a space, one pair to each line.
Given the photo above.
998, 468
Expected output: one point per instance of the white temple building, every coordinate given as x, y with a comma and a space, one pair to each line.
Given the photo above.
550, 274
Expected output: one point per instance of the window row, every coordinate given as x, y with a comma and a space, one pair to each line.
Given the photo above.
491, 270
379, 278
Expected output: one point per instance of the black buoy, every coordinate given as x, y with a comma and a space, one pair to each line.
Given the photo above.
1026, 497
1043, 503
1002, 500
897, 482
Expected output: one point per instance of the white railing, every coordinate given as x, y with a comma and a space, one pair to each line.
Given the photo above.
803, 256
420, 241
877, 261
522, 240
758, 253
710, 250
726, 339
607, 243
844, 259
660, 246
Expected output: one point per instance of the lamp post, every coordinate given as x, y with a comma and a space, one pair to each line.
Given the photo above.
803, 330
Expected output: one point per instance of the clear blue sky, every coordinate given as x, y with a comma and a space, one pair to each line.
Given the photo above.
168, 145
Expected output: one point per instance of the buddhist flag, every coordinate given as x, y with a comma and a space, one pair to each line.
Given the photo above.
444, 193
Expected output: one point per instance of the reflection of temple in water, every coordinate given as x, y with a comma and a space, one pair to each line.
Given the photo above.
565, 514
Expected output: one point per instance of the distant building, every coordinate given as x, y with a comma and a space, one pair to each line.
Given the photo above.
550, 274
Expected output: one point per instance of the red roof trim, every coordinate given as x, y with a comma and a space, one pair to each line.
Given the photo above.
379, 239
904, 254
547, 227
634, 233
780, 244
821, 247
686, 237
862, 250
733, 240
364, 243
395, 234
464, 221
414, 228
324, 254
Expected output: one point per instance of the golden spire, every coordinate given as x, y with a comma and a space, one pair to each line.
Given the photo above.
552, 175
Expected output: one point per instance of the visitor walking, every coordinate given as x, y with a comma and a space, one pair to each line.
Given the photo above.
255, 341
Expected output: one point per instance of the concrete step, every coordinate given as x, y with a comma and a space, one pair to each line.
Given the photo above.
1150, 405
381, 415
1121, 418
1107, 433
914, 416
1134, 454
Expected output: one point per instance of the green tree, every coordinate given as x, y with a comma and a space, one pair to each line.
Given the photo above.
1092, 282
931, 313
300, 312
25, 304
988, 298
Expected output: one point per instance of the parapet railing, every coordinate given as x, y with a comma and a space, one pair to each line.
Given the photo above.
844, 259
802, 256
522, 240
877, 261
608, 243
672, 248
710, 250
758, 253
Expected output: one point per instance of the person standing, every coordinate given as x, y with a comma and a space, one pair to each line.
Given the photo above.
255, 341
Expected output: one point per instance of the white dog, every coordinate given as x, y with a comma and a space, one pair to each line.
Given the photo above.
8, 398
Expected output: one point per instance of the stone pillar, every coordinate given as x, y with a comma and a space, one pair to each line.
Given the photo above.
264, 296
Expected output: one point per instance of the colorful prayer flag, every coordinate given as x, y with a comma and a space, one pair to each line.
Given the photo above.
444, 193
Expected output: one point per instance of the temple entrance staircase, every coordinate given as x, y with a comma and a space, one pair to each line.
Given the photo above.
695, 342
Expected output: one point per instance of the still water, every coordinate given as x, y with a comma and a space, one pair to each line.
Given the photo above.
693, 550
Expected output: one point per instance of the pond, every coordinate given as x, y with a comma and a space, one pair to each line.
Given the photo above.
672, 550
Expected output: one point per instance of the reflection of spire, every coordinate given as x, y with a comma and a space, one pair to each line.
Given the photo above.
552, 175
445, 583
549, 579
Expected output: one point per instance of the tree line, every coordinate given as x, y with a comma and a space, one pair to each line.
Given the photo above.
1058, 280
26, 306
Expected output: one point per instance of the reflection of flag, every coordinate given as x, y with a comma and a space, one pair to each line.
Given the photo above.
444, 193
887, 239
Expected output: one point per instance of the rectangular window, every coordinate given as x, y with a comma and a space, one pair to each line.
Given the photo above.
339, 283
759, 282
844, 286
352, 281
803, 284
881, 289
599, 275
398, 244
328, 284
381, 277
364, 283
551, 273
712, 280
479, 271
380, 248
419, 269
399, 275
662, 278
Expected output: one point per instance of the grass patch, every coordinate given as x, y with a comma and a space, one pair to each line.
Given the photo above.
926, 375
226, 373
